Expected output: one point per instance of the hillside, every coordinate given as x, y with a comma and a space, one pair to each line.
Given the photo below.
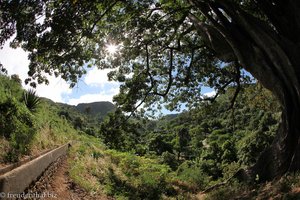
28, 128
85, 117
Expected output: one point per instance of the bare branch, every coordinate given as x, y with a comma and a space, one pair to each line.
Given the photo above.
148, 92
238, 87
212, 99
170, 77
152, 11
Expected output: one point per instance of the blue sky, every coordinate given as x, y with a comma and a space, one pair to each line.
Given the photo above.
94, 86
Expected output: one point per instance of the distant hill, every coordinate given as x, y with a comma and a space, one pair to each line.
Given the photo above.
170, 116
100, 108
93, 109
92, 113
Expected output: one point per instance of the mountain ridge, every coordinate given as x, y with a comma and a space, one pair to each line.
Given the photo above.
92, 108
95, 108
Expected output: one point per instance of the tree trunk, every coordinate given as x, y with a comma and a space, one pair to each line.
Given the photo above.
284, 153
273, 59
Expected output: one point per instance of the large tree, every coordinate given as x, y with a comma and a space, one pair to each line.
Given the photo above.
168, 50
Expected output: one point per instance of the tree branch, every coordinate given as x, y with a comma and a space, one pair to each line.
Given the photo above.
170, 77
212, 99
238, 87
214, 38
188, 71
151, 87
103, 14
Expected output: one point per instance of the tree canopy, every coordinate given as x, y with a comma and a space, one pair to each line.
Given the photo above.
160, 55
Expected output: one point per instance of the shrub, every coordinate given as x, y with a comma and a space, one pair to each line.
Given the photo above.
222, 193
17, 125
191, 173
140, 177
252, 145
230, 169
140, 149
169, 159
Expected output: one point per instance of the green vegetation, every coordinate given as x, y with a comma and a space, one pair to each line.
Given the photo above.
182, 154
17, 125
28, 124
85, 117
173, 157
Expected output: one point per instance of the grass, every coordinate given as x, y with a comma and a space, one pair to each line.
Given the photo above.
87, 167
53, 130
122, 175
94, 168
286, 188
4, 147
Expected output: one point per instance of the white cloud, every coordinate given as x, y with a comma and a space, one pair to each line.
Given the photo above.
104, 95
16, 62
97, 77
56, 89
210, 94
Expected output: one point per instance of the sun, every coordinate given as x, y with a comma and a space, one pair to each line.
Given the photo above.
112, 48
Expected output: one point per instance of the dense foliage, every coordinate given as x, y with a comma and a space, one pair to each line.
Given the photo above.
206, 144
161, 58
